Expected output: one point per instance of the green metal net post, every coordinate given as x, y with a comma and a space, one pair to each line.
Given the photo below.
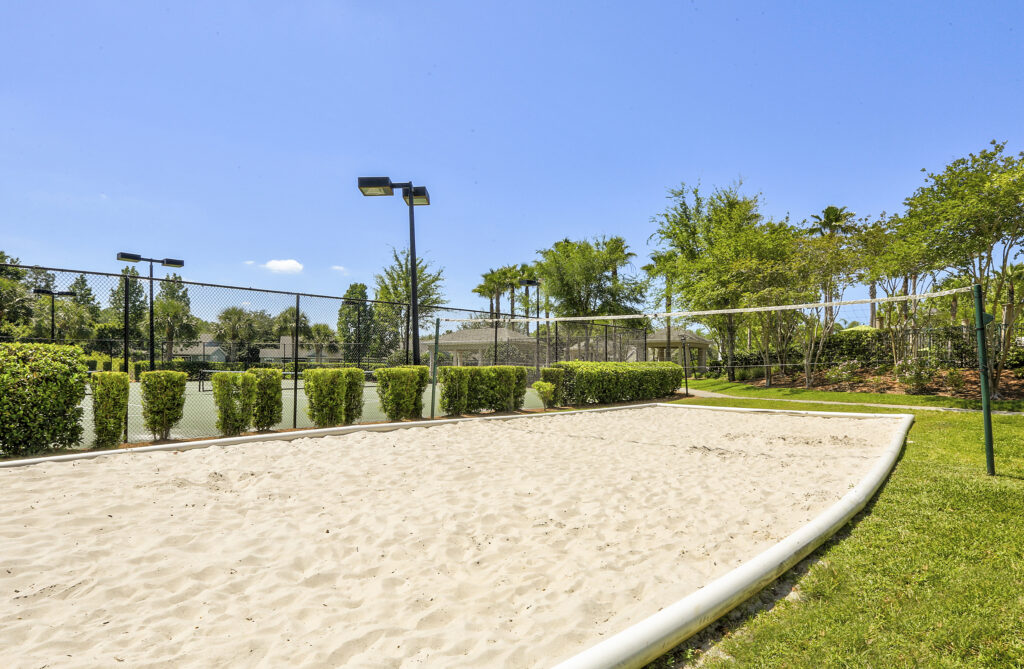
986, 408
433, 383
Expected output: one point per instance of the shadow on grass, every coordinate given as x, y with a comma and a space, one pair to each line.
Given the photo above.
705, 643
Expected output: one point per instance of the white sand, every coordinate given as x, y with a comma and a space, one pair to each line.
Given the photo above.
483, 544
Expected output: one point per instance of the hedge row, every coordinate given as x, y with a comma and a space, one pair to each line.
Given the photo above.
401, 390
474, 389
606, 382
41, 388
109, 407
163, 401
335, 395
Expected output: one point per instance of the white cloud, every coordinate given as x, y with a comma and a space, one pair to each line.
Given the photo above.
289, 266
249, 262
340, 268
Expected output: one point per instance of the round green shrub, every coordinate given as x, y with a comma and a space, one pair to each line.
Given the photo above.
234, 395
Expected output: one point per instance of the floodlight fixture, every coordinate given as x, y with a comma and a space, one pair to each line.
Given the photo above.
172, 262
414, 196
376, 186
129, 257
420, 196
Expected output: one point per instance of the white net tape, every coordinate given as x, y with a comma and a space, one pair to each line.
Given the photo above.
714, 312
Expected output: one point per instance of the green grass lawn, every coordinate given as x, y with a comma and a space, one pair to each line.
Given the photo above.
745, 390
931, 574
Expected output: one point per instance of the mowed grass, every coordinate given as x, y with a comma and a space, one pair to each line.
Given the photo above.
745, 390
931, 574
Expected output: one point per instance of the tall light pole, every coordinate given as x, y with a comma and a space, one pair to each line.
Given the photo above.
527, 283
166, 262
53, 294
413, 196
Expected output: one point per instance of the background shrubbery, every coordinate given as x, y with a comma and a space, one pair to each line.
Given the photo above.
235, 395
335, 395
606, 382
41, 388
475, 389
266, 409
401, 391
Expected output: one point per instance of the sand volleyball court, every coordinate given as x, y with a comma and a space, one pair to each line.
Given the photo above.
502, 543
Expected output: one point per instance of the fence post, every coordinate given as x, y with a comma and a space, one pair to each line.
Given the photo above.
556, 341
359, 335
495, 342
986, 409
606, 343
645, 344
126, 308
408, 331
295, 367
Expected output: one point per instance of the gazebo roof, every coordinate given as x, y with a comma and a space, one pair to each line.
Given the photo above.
476, 337
660, 337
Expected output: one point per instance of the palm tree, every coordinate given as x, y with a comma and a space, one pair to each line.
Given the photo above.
833, 221
490, 289
322, 337
234, 325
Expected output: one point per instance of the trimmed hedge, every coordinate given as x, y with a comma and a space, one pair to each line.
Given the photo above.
109, 407
267, 407
475, 389
163, 401
138, 368
234, 395
607, 382
401, 390
41, 388
555, 377
454, 389
335, 395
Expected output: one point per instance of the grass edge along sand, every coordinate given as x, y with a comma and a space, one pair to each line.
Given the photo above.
931, 573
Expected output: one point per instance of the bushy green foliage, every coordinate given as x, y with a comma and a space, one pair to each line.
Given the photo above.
401, 391
844, 372
41, 388
355, 379
955, 379
605, 382
109, 406
163, 401
266, 411
475, 389
454, 389
108, 365
235, 396
325, 390
546, 391
915, 374
556, 377
138, 368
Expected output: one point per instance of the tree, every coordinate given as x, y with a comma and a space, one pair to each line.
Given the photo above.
833, 220
284, 324
322, 337
238, 330
84, 296
73, 322
583, 278
138, 312
972, 216
355, 323
491, 288
392, 286
172, 315
702, 238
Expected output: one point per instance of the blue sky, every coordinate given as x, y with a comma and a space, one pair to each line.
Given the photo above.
230, 132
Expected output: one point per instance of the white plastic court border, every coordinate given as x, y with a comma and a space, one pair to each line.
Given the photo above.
656, 635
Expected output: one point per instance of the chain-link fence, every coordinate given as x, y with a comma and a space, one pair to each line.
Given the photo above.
129, 322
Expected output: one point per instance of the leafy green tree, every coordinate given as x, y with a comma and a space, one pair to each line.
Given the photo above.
702, 239
73, 322
972, 217
138, 305
833, 220
355, 323
392, 285
172, 315
16, 300
84, 296
284, 324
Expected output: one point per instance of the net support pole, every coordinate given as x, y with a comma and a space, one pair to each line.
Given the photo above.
433, 361
495, 343
986, 408
295, 367
127, 306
